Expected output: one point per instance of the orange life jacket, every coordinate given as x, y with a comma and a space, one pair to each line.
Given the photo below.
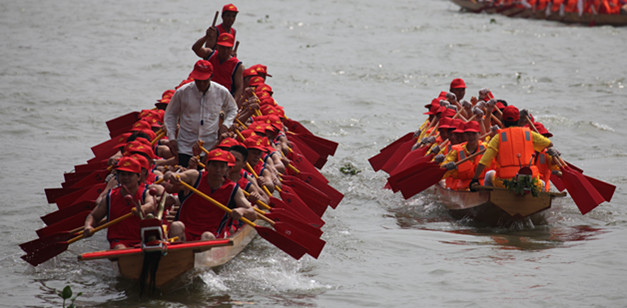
466, 170
514, 141
543, 163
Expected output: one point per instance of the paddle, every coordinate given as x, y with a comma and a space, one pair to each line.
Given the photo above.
299, 210
215, 19
48, 252
584, 194
314, 198
605, 189
586, 197
285, 214
427, 177
283, 241
335, 196
398, 155
384, 155
122, 123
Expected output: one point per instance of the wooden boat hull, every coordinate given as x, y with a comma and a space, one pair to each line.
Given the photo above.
494, 206
568, 17
179, 258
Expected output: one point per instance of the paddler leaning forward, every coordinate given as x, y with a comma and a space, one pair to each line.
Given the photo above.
199, 219
512, 147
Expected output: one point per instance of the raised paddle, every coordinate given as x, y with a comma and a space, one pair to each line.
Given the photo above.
280, 240
215, 19
48, 252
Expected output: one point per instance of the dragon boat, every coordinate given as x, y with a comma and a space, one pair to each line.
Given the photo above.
495, 206
519, 11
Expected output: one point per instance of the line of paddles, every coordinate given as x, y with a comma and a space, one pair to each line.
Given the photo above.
585, 194
286, 237
49, 249
430, 174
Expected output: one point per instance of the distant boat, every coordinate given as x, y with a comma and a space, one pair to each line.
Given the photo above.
517, 10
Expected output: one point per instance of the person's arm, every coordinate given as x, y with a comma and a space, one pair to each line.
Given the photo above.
96, 215
204, 52
230, 112
243, 209
238, 82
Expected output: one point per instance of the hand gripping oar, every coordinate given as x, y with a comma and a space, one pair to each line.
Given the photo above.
281, 240
48, 252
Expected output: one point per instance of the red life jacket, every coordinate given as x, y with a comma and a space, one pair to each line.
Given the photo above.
243, 182
514, 141
126, 231
224, 72
199, 215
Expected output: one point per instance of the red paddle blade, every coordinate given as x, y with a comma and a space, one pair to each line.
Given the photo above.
296, 204
44, 254
69, 223
586, 197
324, 147
558, 182
59, 215
312, 243
411, 159
306, 215
303, 165
605, 189
122, 123
37, 244
398, 155
283, 215
306, 151
314, 198
86, 194
296, 127
421, 181
397, 179
334, 195
53, 193
287, 245
384, 155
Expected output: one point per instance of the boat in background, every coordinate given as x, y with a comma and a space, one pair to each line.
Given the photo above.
495, 206
515, 10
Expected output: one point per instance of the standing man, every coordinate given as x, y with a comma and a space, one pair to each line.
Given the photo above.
229, 13
228, 70
196, 107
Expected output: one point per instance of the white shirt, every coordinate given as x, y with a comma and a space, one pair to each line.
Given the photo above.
198, 115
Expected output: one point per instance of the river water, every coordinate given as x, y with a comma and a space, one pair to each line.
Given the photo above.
357, 72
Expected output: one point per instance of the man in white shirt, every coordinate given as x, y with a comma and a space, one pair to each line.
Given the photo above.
196, 107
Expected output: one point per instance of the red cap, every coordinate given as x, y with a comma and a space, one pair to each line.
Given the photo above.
258, 127
229, 8
149, 133
472, 127
458, 83
257, 142
250, 72
442, 95
262, 70
434, 109
542, 130
221, 155
435, 101
202, 70
226, 143
263, 88
126, 163
448, 113
137, 146
256, 81
141, 125
247, 133
143, 162
226, 40
458, 124
500, 106
445, 122
510, 113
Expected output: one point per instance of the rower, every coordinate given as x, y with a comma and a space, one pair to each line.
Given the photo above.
116, 204
512, 147
463, 173
197, 219
227, 70
458, 87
